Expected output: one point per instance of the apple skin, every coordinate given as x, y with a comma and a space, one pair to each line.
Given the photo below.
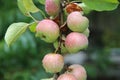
75, 41
86, 32
78, 71
52, 7
53, 62
76, 22
66, 76
47, 30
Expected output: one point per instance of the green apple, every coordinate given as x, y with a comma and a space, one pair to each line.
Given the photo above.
76, 22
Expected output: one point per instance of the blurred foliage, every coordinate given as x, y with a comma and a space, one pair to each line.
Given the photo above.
22, 61
111, 38
105, 29
9, 13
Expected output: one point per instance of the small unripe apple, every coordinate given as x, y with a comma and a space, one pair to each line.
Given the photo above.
78, 71
75, 41
76, 22
86, 32
52, 7
66, 77
47, 30
53, 62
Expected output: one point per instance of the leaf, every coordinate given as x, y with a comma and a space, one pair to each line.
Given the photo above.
101, 5
22, 8
85, 8
112, 1
32, 26
27, 6
14, 31
42, 1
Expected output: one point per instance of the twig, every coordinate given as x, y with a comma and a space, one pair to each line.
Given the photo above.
63, 25
56, 75
32, 17
61, 17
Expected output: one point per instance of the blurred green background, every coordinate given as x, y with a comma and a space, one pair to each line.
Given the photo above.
22, 61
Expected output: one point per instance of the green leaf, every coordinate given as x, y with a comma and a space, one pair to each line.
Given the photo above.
27, 6
14, 31
101, 5
22, 8
112, 1
85, 8
42, 1
32, 26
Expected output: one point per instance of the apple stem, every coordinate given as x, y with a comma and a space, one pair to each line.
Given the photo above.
32, 17
56, 75
61, 23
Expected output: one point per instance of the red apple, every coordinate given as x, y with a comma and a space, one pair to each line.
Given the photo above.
47, 30
66, 77
78, 71
52, 7
53, 62
75, 41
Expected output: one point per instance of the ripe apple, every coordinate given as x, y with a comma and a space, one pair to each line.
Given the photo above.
75, 41
52, 7
78, 71
47, 30
66, 77
53, 62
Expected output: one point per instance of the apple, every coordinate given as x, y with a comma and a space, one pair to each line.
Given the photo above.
86, 32
52, 7
75, 41
66, 77
47, 30
53, 62
78, 71
76, 22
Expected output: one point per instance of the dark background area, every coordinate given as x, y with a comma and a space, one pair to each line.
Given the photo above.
22, 61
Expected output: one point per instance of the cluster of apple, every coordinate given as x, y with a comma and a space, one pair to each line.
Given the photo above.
54, 63
72, 40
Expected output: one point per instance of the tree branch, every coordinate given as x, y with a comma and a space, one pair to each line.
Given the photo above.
61, 17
